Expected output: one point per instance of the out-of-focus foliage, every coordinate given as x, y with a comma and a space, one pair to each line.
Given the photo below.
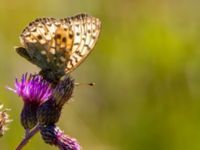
146, 66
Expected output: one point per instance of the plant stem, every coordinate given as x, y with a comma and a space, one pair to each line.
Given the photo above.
28, 137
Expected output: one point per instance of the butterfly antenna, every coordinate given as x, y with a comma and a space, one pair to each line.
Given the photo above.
90, 84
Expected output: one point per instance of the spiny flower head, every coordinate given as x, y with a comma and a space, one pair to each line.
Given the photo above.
50, 111
54, 136
63, 91
4, 120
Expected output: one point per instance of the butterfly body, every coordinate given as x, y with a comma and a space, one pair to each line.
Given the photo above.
59, 46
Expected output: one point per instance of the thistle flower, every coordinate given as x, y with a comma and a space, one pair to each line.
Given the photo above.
34, 91
4, 120
43, 103
49, 112
54, 136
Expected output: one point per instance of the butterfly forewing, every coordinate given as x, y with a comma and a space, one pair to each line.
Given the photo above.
61, 44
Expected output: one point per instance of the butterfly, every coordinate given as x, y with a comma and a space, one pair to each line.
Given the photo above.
58, 46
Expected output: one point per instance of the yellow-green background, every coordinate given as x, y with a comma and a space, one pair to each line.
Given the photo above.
146, 66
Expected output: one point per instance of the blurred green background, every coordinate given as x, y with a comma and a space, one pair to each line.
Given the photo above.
146, 66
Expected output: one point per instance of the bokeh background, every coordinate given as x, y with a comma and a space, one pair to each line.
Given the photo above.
146, 66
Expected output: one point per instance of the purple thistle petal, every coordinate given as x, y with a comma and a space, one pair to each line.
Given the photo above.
32, 88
